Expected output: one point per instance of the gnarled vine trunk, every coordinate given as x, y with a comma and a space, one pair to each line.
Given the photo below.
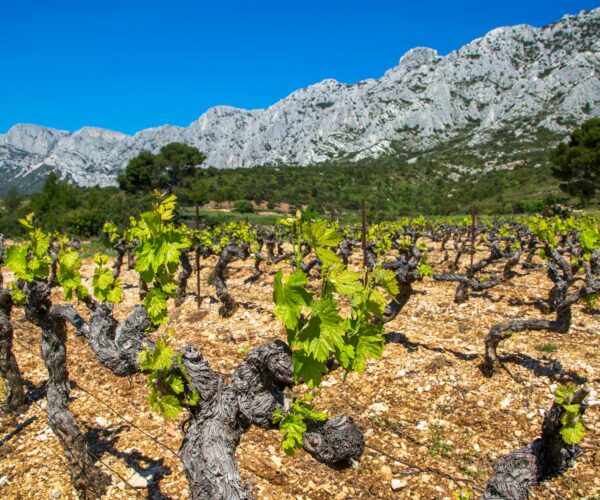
184, 275
406, 270
225, 411
14, 396
117, 345
546, 457
86, 478
560, 302
345, 250
468, 283
227, 255
393, 308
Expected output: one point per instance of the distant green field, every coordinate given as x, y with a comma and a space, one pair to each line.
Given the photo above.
212, 216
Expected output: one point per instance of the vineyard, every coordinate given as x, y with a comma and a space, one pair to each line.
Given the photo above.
417, 358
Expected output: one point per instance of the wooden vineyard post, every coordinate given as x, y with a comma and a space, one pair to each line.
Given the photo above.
197, 217
473, 230
199, 298
364, 232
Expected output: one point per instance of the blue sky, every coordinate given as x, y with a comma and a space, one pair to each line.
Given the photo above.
129, 64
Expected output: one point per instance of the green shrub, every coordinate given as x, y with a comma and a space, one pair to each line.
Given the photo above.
243, 207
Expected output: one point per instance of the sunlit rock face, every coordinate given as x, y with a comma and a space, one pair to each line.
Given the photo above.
549, 76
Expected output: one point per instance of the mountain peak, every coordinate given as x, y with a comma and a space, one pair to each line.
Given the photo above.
546, 77
418, 56
100, 133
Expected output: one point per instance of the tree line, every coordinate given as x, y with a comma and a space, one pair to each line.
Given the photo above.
390, 186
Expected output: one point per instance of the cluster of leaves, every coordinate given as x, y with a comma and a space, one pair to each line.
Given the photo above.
589, 236
379, 236
106, 287
111, 231
168, 379
572, 430
425, 270
214, 239
550, 230
294, 423
30, 261
69, 275
316, 328
158, 252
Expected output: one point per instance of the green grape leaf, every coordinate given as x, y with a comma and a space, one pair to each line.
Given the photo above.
386, 279
425, 270
193, 399
368, 343
573, 434
115, 294
169, 406
320, 234
159, 358
327, 256
589, 239
103, 279
155, 303
289, 297
345, 282
175, 383
18, 297
16, 261
308, 368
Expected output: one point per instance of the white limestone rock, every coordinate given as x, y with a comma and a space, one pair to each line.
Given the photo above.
549, 74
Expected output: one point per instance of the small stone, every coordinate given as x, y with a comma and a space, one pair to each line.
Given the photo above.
378, 408
398, 484
102, 422
55, 495
592, 399
121, 485
139, 481
42, 437
3, 481
386, 471
276, 460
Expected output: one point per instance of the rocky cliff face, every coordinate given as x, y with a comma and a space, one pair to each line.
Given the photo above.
547, 78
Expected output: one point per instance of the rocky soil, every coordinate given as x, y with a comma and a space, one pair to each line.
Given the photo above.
425, 402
